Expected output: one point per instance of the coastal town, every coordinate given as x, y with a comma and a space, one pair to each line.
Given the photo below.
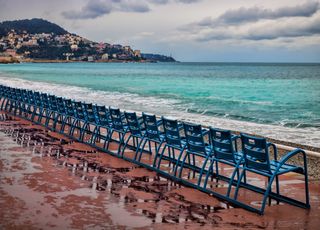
23, 45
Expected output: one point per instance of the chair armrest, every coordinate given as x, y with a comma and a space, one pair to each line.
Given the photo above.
159, 123
123, 117
275, 150
205, 132
291, 154
234, 139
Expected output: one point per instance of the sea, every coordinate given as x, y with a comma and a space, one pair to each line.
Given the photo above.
280, 101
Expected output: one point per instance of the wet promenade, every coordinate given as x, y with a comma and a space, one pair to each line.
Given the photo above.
48, 181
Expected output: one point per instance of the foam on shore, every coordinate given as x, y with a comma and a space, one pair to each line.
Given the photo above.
168, 107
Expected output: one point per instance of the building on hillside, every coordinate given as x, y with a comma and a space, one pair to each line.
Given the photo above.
127, 48
11, 52
105, 56
137, 53
74, 47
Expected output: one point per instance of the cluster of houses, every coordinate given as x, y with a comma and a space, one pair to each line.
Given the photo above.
21, 46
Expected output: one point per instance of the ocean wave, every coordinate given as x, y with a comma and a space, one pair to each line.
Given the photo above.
301, 134
233, 100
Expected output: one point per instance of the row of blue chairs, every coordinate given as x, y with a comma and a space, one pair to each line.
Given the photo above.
184, 145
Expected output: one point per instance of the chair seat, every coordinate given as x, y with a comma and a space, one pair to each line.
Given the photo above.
237, 156
285, 168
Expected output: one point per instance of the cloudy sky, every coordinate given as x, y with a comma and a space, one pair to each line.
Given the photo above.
190, 30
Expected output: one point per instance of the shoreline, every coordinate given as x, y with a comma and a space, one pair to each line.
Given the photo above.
12, 60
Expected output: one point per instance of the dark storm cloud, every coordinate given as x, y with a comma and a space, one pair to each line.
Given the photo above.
93, 9
308, 28
270, 31
167, 1
97, 8
254, 14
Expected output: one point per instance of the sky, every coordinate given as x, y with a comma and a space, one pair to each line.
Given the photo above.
189, 30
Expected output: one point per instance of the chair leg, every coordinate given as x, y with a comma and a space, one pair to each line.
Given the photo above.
210, 171
266, 193
177, 163
270, 191
125, 145
277, 187
217, 171
238, 184
107, 140
121, 141
194, 164
150, 149
160, 156
95, 134
182, 164
306, 181
139, 151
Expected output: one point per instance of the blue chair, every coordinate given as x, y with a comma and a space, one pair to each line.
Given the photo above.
136, 133
196, 147
51, 113
90, 113
173, 142
78, 121
102, 127
153, 135
36, 107
88, 124
102, 115
118, 126
31, 104
69, 116
225, 150
257, 160
44, 105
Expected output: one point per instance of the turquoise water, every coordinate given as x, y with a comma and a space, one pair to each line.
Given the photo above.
282, 95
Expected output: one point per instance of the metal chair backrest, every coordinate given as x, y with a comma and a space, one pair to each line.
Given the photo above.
79, 109
89, 112
151, 125
172, 132
256, 153
69, 108
194, 138
30, 97
116, 118
53, 103
44, 100
133, 123
37, 98
102, 115
222, 144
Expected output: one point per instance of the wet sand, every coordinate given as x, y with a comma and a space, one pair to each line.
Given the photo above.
48, 181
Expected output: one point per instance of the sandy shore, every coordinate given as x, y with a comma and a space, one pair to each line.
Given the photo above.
51, 182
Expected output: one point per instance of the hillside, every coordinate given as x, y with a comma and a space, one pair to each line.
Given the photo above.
38, 39
31, 26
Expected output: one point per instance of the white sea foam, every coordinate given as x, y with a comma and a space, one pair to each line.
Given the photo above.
167, 107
